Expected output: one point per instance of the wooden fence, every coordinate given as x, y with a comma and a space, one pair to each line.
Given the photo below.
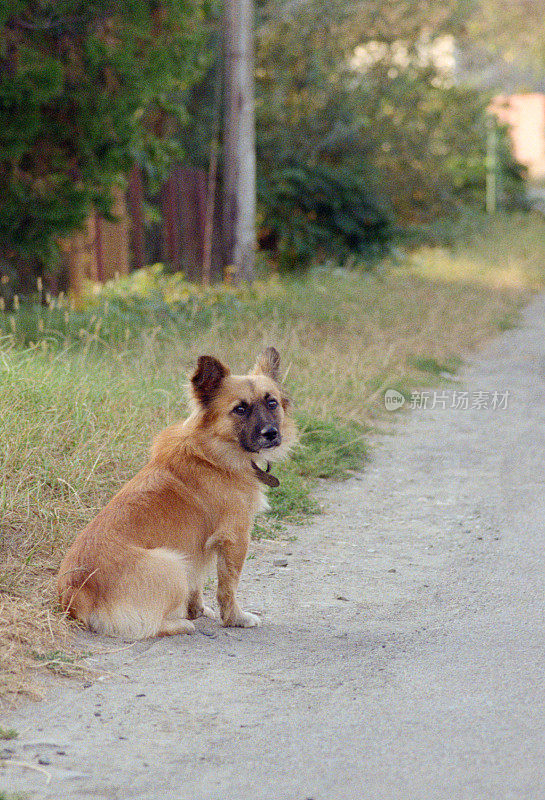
107, 249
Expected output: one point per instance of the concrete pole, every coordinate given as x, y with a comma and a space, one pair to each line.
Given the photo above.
239, 171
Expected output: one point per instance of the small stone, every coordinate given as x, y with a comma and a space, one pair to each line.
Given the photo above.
342, 597
45, 762
280, 562
392, 570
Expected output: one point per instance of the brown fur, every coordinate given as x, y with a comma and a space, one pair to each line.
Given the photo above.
138, 568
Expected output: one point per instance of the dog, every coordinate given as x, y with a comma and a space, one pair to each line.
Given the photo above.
138, 569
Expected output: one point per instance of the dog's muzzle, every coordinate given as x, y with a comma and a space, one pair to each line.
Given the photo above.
269, 437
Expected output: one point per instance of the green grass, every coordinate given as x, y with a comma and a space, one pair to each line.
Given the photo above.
7, 734
435, 367
58, 662
509, 321
81, 404
11, 796
148, 303
54, 657
329, 448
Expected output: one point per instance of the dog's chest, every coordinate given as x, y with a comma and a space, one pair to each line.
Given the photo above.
263, 503
248, 504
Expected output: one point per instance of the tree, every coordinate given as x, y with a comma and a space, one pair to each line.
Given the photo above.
394, 116
86, 90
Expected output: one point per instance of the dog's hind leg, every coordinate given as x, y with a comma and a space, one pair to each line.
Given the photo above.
196, 607
150, 599
195, 604
172, 625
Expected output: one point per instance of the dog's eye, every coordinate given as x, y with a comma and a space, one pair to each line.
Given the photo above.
272, 403
241, 410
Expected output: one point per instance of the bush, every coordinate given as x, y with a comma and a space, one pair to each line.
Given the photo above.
320, 210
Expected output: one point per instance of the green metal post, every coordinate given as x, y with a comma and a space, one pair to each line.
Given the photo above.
491, 164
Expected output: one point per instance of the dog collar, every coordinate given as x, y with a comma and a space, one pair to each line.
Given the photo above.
265, 475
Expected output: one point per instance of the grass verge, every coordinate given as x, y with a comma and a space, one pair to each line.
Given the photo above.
79, 405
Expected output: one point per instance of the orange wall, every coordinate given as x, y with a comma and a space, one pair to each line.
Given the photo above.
525, 116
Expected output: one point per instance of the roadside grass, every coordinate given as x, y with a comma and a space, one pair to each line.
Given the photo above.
29, 629
80, 405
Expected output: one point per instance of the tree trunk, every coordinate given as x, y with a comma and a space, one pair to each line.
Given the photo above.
239, 203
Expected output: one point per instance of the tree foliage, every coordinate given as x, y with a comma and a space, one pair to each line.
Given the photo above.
366, 86
511, 29
85, 88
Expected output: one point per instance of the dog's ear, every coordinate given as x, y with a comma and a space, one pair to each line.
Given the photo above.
207, 378
268, 363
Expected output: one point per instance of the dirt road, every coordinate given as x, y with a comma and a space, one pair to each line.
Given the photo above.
402, 652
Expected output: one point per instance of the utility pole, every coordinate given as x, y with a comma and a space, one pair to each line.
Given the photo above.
239, 192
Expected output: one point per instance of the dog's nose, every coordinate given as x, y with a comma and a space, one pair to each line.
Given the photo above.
270, 433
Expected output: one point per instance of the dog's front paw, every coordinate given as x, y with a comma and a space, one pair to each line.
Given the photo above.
243, 620
209, 612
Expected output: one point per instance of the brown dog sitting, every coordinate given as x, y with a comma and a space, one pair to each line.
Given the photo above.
138, 568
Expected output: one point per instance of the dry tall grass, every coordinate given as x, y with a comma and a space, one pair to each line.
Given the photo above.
33, 639
76, 424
